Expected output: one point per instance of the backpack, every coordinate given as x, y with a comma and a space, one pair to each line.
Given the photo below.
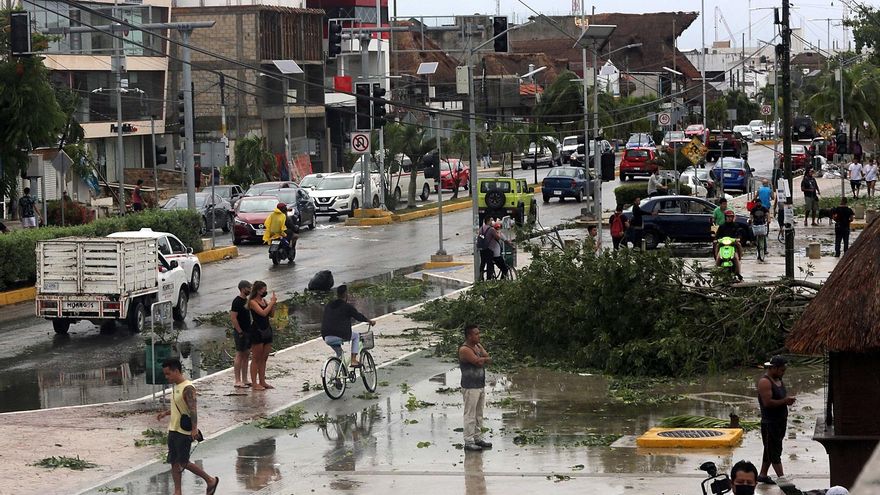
617, 226
483, 239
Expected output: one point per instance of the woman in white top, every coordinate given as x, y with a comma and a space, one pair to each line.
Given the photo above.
871, 176
855, 177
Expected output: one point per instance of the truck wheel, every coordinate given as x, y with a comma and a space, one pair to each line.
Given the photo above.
179, 311
196, 281
137, 317
61, 326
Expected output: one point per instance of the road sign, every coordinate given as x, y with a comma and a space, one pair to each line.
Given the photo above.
766, 110
664, 118
360, 142
694, 151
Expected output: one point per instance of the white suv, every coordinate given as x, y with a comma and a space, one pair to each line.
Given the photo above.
569, 146
399, 177
340, 194
173, 250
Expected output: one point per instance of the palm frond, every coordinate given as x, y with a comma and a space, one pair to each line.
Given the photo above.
692, 421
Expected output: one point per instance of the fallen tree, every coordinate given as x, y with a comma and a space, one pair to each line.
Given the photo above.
624, 312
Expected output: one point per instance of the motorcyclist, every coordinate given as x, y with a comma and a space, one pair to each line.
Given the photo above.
275, 224
292, 226
730, 228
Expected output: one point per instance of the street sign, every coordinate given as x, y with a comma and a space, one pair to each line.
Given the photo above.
461, 80
664, 118
360, 142
731, 114
766, 110
695, 151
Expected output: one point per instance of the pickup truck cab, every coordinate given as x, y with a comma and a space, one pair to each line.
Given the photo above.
726, 143
173, 250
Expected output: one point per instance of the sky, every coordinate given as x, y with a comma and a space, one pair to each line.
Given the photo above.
736, 12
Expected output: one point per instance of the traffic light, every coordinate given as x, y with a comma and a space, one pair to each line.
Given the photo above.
181, 113
378, 106
161, 155
20, 33
362, 106
499, 29
334, 39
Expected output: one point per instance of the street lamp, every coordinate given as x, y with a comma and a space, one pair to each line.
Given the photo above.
531, 75
426, 69
288, 67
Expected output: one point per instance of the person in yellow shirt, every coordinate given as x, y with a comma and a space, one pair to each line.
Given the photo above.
276, 224
183, 427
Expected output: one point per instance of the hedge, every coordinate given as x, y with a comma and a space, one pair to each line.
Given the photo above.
19, 264
627, 193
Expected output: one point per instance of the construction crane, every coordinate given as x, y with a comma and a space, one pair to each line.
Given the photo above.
720, 15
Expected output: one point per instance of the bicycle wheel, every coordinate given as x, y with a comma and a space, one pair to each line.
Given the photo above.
368, 371
761, 245
334, 377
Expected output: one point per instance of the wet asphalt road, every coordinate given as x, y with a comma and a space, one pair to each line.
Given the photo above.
39, 369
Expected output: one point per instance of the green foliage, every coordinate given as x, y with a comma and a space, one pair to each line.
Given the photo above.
290, 419
395, 288
74, 463
866, 29
152, 437
705, 422
562, 99
253, 163
18, 263
640, 392
625, 194
746, 110
508, 138
623, 312
413, 403
861, 93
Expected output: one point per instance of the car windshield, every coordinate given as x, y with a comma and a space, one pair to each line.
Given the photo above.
487, 186
359, 166
335, 183
570, 141
674, 135
284, 195
756, 123
731, 163
258, 189
742, 128
223, 192
639, 138
703, 174
563, 172
179, 202
695, 127
257, 205
637, 153
310, 181
797, 149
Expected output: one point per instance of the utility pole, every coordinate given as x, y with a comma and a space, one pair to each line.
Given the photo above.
155, 164
189, 143
381, 72
597, 193
119, 55
786, 139
366, 173
703, 63
223, 136
472, 123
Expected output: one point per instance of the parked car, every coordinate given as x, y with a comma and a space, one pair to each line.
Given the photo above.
800, 157
759, 131
737, 173
638, 162
542, 154
745, 131
340, 194
454, 175
726, 143
215, 211
605, 150
681, 219
259, 188
569, 146
697, 187
674, 140
568, 182
696, 131
498, 197
300, 205
823, 147
229, 192
250, 214
173, 249
399, 177
704, 175
803, 128
640, 140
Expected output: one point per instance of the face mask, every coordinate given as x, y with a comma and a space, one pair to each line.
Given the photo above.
743, 490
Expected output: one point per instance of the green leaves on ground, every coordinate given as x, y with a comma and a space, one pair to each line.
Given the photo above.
686, 421
639, 392
290, 419
74, 463
413, 403
152, 437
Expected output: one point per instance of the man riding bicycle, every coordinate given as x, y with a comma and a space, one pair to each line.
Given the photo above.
336, 324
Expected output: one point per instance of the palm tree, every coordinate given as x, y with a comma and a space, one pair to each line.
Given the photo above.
508, 138
251, 157
861, 91
412, 141
539, 135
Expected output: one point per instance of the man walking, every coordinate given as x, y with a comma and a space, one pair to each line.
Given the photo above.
241, 326
617, 225
811, 196
137, 201
27, 210
855, 177
183, 428
773, 401
637, 224
843, 217
472, 360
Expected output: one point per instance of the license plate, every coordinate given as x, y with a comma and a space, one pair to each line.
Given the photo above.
557, 193
323, 208
637, 169
260, 231
276, 242
80, 305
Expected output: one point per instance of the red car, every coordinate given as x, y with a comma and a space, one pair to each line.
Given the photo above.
454, 174
800, 157
250, 213
637, 161
696, 130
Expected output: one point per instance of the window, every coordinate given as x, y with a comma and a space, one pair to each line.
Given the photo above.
488, 186
177, 247
163, 246
670, 206
698, 208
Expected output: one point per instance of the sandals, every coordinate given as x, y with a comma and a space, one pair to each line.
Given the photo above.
212, 490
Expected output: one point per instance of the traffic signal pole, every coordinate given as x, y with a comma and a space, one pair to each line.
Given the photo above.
786, 139
120, 167
155, 163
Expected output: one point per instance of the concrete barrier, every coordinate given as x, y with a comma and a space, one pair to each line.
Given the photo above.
814, 251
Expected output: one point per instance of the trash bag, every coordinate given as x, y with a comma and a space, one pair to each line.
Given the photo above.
322, 281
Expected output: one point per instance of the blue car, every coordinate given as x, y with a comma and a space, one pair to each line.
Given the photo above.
737, 173
567, 182
682, 219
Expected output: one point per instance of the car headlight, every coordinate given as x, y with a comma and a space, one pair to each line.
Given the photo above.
240, 222
343, 196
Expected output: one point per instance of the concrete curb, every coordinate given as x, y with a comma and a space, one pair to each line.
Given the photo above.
427, 212
433, 265
30, 293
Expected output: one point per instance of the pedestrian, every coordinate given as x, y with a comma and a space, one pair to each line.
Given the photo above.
843, 217
498, 243
773, 400
655, 184
137, 201
336, 324
637, 224
593, 236
27, 209
743, 478
855, 177
759, 216
811, 196
241, 334
617, 225
766, 194
472, 360
870, 172
484, 243
261, 333
183, 427
718, 213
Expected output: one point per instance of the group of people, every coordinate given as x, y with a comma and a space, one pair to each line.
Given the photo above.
252, 333
491, 241
842, 215
859, 172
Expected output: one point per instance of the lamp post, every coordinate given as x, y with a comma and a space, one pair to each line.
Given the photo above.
538, 142
288, 67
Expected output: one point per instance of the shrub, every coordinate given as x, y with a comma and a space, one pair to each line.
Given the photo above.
19, 264
74, 213
627, 193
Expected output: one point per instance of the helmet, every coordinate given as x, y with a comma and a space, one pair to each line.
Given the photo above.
281, 206
729, 213
497, 225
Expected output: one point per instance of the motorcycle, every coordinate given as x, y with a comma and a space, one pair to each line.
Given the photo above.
280, 248
727, 253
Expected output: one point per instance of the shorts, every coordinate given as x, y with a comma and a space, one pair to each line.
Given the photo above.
178, 447
811, 204
855, 183
242, 340
28, 222
255, 338
137, 206
772, 435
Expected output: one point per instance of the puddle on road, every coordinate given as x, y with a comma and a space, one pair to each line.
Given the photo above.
107, 367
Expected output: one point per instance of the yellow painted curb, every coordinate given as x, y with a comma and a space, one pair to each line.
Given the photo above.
18, 295
371, 213
427, 212
212, 255
728, 438
368, 222
433, 265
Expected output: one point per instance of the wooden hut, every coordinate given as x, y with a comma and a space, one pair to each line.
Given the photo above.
844, 322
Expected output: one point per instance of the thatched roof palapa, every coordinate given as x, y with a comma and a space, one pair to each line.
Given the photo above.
845, 314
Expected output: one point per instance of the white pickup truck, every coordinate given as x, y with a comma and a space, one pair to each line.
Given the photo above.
106, 279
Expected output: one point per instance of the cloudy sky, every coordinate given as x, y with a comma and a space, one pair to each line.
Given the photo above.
736, 12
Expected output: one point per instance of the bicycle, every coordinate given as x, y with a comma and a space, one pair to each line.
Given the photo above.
760, 232
337, 372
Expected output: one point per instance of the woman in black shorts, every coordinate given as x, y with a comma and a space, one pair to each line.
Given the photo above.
261, 333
